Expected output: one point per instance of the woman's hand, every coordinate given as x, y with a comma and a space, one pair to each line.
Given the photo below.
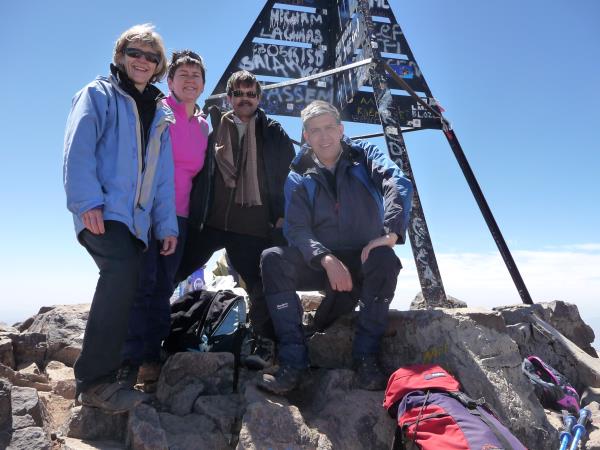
93, 220
169, 244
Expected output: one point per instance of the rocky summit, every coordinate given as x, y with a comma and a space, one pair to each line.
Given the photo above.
197, 405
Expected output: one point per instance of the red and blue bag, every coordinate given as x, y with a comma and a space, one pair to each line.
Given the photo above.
433, 414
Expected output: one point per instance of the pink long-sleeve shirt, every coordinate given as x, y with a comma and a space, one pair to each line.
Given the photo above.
189, 137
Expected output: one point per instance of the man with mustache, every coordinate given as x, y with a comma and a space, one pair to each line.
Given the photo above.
237, 199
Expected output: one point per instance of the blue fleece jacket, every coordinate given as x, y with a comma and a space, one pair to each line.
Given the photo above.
103, 162
372, 197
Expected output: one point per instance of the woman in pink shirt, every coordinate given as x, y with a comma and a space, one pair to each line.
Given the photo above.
149, 321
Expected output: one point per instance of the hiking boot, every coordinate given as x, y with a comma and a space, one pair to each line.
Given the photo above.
263, 354
113, 398
368, 374
286, 379
127, 375
148, 375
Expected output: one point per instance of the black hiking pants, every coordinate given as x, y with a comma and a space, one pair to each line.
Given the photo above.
284, 272
117, 253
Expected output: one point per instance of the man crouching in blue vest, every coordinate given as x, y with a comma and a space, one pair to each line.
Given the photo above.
347, 205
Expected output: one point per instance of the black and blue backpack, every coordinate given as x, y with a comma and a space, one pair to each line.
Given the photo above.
206, 321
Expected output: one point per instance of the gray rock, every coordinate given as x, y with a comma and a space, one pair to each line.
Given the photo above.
24, 379
224, 410
25, 421
561, 315
63, 327
187, 375
62, 379
274, 423
80, 444
7, 356
28, 439
4, 328
472, 344
26, 402
94, 424
144, 431
330, 349
451, 302
5, 404
192, 432
535, 336
29, 348
348, 417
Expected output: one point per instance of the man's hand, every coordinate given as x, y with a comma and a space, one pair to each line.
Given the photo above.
279, 223
93, 220
168, 245
389, 239
337, 273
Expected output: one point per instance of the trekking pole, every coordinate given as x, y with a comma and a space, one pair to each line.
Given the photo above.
565, 435
579, 428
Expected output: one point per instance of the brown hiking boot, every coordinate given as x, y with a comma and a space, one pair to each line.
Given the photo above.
113, 398
286, 379
148, 375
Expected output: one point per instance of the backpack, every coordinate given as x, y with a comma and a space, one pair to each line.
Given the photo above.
551, 387
207, 321
432, 413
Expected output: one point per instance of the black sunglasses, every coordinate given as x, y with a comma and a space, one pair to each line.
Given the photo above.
249, 94
137, 53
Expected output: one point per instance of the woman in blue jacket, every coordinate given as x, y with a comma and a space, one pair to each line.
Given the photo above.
118, 177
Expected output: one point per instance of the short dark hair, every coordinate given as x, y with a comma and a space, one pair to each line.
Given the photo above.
183, 57
239, 78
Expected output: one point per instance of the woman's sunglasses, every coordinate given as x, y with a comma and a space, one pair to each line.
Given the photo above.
137, 53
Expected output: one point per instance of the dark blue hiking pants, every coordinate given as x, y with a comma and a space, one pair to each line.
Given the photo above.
150, 316
284, 272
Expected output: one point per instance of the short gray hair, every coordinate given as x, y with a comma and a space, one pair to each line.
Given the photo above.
318, 108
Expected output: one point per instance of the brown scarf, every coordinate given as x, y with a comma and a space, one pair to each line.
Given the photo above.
243, 179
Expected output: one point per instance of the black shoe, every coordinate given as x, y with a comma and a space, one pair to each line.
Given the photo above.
286, 379
368, 374
263, 354
127, 375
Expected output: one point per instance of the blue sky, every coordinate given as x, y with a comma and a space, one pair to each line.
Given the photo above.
518, 80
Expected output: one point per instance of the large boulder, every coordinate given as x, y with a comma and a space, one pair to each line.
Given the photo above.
187, 375
144, 431
348, 417
27, 409
450, 302
28, 348
28, 439
94, 424
192, 431
62, 379
63, 327
5, 404
7, 356
561, 315
472, 344
535, 336
272, 422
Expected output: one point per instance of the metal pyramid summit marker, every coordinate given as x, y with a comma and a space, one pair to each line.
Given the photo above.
353, 54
